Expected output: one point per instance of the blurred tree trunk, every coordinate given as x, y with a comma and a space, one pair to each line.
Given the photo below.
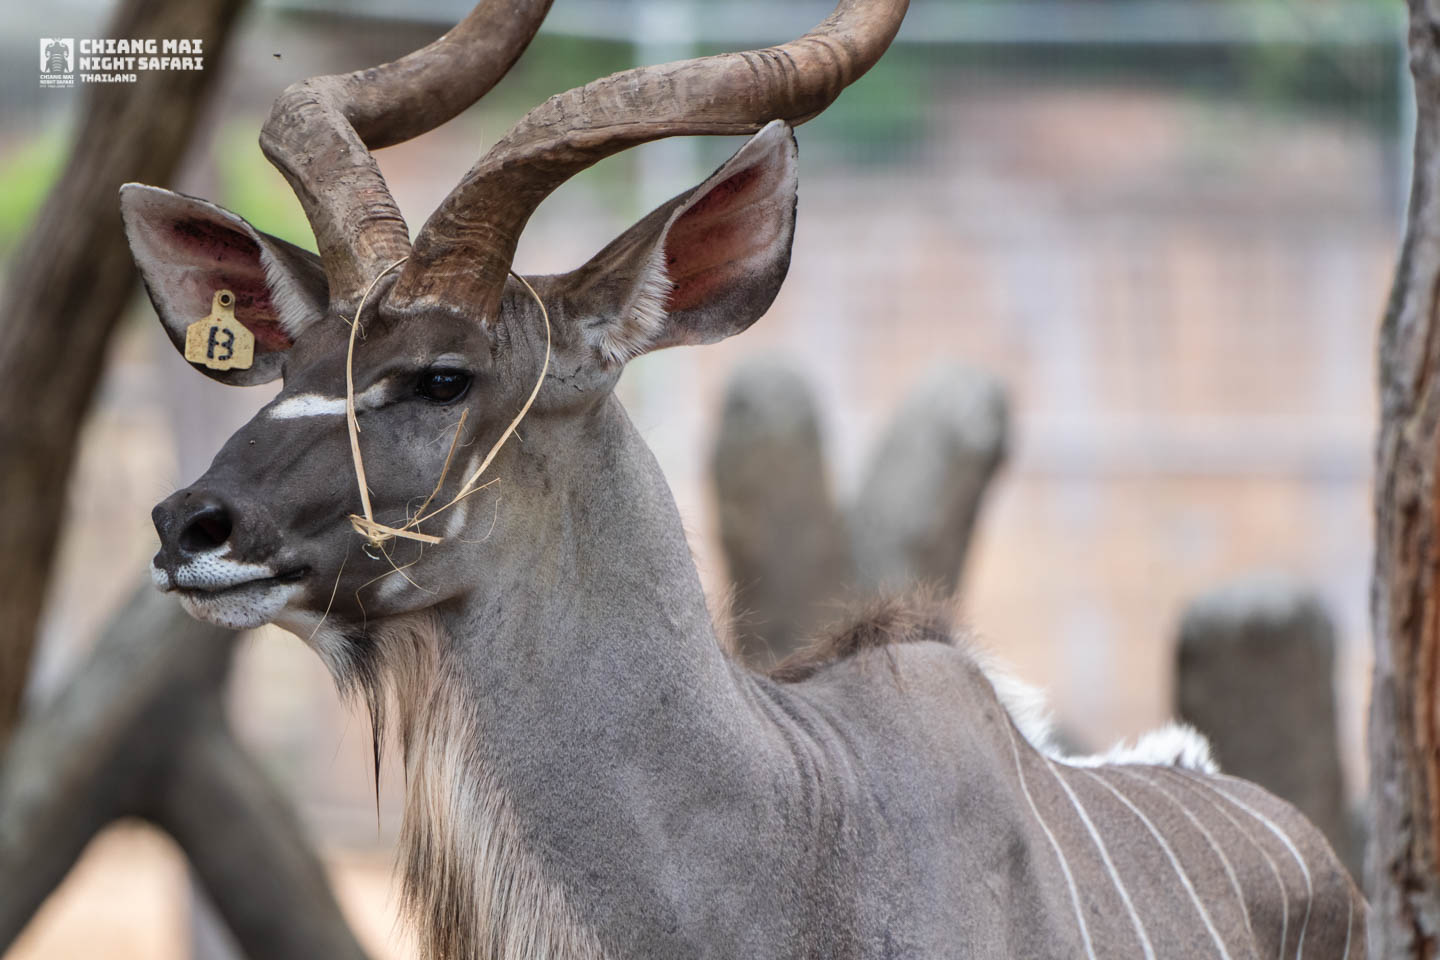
139, 731
782, 534
1255, 672
796, 559
915, 513
67, 287
1405, 597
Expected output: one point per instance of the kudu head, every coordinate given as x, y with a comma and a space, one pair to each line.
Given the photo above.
265, 535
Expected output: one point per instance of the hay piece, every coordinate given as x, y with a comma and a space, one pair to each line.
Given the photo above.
376, 534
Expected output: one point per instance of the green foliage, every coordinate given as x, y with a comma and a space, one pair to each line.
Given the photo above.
1300, 5
26, 176
554, 63
884, 109
253, 188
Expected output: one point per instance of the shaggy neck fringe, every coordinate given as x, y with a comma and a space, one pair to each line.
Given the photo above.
471, 887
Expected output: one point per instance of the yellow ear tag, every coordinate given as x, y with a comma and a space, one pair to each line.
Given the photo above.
219, 341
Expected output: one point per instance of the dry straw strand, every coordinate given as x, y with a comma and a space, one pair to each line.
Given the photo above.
377, 534
470, 487
351, 423
444, 471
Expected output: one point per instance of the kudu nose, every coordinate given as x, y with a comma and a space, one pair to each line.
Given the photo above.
207, 528
198, 522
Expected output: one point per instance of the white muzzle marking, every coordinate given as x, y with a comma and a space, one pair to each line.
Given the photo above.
227, 593
241, 608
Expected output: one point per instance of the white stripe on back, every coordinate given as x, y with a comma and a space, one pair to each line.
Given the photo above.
1294, 852
1174, 861
1269, 861
1209, 838
1349, 923
1055, 845
1105, 856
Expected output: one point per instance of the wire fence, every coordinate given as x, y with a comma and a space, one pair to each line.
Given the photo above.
1168, 227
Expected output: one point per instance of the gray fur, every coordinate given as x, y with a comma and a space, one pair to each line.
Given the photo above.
590, 774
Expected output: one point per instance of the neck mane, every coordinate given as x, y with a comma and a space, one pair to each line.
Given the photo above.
470, 883
515, 708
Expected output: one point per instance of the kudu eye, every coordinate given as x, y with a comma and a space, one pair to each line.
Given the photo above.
442, 385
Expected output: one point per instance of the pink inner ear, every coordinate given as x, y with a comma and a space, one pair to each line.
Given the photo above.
212, 256
721, 233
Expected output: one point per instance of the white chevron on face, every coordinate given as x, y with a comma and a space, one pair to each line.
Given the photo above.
319, 405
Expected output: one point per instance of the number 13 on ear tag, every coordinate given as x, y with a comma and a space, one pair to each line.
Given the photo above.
219, 341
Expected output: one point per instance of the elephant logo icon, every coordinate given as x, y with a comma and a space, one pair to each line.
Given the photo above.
56, 55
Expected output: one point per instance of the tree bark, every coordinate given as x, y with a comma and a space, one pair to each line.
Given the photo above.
1405, 595
139, 731
250, 852
68, 286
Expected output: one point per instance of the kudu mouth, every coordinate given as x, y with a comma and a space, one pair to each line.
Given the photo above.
188, 580
222, 561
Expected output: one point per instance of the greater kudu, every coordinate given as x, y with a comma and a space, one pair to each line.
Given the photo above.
588, 774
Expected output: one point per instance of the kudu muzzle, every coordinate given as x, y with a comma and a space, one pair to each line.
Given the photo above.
214, 544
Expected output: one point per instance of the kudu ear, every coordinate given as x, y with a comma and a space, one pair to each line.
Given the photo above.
701, 267
187, 249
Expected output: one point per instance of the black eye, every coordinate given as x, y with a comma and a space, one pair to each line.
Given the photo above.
443, 386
